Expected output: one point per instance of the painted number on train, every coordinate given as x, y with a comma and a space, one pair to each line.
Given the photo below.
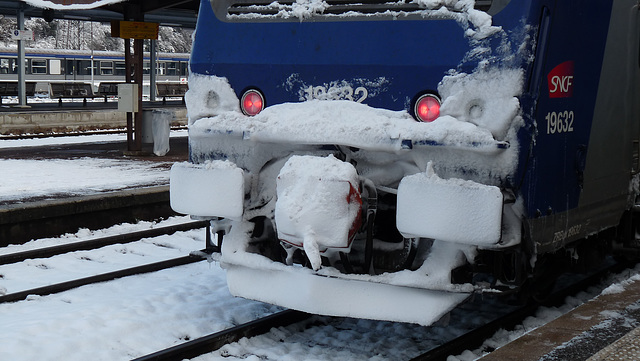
571, 232
358, 94
559, 122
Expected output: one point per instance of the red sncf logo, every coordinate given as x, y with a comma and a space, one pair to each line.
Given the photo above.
560, 80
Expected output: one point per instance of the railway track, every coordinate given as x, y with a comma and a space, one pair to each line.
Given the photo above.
476, 337
214, 341
210, 343
470, 340
97, 243
65, 286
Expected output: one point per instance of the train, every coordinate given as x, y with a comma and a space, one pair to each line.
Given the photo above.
388, 160
44, 66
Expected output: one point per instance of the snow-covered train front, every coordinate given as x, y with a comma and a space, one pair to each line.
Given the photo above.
386, 160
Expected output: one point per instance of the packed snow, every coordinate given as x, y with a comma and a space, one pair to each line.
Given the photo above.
130, 317
66, 5
477, 23
328, 186
22, 179
459, 211
134, 316
474, 139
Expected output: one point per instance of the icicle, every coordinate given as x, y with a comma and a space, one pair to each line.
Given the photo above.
312, 251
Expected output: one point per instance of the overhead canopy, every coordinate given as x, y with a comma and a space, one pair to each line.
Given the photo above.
180, 13
70, 4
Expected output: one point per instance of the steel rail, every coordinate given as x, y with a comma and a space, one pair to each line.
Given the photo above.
65, 286
210, 343
98, 242
476, 337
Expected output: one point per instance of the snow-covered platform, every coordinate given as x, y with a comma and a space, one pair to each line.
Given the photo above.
605, 328
45, 179
59, 167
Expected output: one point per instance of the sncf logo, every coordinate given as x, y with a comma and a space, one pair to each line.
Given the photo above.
560, 81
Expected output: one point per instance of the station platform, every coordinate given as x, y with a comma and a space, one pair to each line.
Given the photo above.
73, 116
62, 149
605, 328
58, 185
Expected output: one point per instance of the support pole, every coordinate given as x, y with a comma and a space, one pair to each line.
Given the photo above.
22, 92
128, 78
152, 71
139, 59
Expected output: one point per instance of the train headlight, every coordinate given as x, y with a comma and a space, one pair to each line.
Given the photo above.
252, 102
427, 108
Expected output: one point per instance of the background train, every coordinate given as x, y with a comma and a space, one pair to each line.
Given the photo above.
387, 160
44, 66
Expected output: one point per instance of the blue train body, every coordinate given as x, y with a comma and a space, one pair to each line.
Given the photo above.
306, 155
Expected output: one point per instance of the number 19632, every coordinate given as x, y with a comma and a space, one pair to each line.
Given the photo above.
559, 122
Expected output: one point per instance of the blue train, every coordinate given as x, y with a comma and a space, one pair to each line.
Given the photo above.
388, 159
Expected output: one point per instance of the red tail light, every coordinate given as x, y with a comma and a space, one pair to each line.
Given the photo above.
252, 102
427, 108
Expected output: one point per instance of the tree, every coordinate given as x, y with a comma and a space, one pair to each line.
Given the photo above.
84, 35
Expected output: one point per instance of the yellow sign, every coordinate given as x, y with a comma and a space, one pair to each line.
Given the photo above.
134, 30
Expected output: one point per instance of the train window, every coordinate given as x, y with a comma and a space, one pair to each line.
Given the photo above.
184, 68
70, 67
146, 68
38, 66
172, 68
106, 68
120, 68
8, 66
55, 67
84, 67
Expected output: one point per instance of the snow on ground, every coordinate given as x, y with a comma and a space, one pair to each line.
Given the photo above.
35, 178
24, 178
134, 316
46, 4
124, 318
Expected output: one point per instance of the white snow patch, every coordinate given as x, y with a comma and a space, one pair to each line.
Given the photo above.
25, 178
352, 124
457, 210
57, 6
316, 204
477, 24
613, 289
220, 187
487, 98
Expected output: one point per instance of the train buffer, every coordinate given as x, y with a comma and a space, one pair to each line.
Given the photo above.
72, 90
10, 89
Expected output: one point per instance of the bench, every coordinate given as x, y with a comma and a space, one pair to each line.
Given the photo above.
171, 89
71, 90
10, 89
108, 89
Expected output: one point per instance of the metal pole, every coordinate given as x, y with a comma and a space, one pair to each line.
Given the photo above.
22, 92
137, 120
152, 71
128, 79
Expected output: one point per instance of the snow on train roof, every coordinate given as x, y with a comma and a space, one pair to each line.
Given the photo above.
463, 11
70, 5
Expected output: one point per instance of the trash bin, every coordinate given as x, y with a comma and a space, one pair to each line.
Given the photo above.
155, 129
